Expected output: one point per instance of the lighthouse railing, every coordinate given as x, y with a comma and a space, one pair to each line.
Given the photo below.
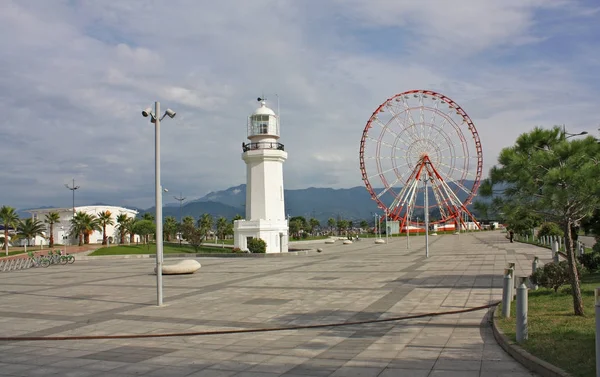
262, 145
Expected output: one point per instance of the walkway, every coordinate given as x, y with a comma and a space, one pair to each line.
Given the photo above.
344, 283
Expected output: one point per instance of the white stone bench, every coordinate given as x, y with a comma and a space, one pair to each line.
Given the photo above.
330, 240
186, 266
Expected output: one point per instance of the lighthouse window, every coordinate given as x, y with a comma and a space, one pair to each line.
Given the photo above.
264, 128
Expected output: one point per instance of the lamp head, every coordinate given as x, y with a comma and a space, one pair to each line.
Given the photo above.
170, 113
147, 112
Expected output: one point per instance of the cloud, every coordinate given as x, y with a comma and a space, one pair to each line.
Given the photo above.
74, 77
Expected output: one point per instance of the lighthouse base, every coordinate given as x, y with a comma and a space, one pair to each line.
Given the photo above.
274, 233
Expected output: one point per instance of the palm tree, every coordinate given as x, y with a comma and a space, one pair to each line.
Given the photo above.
314, 224
105, 219
206, 223
84, 224
9, 219
51, 219
188, 220
222, 225
150, 217
170, 227
121, 221
237, 217
130, 228
91, 224
30, 228
331, 223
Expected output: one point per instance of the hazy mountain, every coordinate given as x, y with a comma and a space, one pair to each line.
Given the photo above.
322, 203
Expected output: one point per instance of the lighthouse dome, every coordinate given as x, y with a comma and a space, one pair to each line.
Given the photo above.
263, 124
263, 110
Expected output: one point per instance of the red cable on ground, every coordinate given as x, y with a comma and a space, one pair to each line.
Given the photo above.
241, 331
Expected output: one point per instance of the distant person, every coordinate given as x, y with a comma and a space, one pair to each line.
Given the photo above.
511, 235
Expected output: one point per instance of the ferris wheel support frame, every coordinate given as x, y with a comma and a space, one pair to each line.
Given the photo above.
448, 202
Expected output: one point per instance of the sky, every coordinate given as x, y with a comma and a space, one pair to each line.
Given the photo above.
76, 74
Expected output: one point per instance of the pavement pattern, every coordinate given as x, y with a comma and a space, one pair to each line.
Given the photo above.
355, 282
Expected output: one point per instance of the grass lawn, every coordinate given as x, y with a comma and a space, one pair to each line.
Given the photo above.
555, 334
151, 249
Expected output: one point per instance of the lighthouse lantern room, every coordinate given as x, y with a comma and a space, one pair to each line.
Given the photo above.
265, 206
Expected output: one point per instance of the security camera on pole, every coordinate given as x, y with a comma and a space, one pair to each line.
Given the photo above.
156, 118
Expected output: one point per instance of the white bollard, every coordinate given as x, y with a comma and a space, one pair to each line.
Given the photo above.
522, 333
555, 252
597, 300
506, 288
511, 269
534, 267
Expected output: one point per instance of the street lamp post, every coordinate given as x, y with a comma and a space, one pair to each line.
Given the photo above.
426, 217
72, 188
180, 199
64, 238
568, 135
387, 229
156, 118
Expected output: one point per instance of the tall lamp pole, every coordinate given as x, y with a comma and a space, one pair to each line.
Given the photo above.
180, 199
426, 216
156, 118
72, 188
568, 135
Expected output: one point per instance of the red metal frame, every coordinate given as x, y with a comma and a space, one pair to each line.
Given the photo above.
453, 213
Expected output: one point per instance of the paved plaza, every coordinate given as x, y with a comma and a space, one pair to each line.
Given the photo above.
362, 281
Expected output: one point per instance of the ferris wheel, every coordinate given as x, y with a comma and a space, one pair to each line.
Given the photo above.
416, 141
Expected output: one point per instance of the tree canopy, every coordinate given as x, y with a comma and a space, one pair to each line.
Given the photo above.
546, 176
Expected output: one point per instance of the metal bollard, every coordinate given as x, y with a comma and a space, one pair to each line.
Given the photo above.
534, 267
506, 288
555, 252
597, 301
511, 272
522, 333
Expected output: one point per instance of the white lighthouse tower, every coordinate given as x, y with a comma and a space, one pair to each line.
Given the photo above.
265, 206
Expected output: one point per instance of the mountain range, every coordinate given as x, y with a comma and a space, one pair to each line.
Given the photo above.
321, 203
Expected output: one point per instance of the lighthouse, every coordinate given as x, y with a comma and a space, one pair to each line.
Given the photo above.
264, 156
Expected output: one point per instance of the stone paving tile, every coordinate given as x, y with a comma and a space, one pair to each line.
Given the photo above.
344, 283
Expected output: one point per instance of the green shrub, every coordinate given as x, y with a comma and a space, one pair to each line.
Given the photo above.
553, 275
257, 245
591, 261
550, 229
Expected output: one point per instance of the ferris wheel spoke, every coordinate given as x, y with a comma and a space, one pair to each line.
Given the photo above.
381, 174
422, 116
409, 118
384, 143
436, 108
439, 200
452, 168
388, 188
389, 130
395, 116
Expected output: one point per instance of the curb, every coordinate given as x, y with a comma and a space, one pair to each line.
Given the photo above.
534, 364
195, 256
